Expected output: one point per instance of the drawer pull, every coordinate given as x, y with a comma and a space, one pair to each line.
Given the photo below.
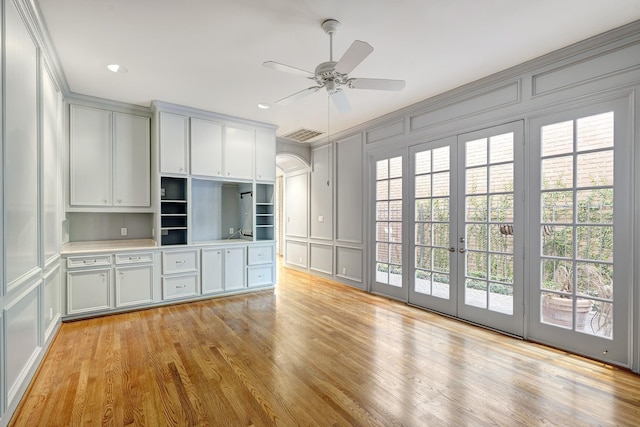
180, 262
89, 261
180, 286
134, 258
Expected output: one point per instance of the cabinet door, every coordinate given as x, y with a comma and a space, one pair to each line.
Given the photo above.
174, 147
134, 285
265, 155
239, 146
234, 267
90, 157
132, 160
88, 290
206, 148
212, 271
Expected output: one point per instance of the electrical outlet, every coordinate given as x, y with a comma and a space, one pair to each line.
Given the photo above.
230, 230
123, 231
344, 270
321, 218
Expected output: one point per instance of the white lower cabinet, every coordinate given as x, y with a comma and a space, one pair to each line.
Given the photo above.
88, 290
260, 271
180, 273
234, 267
180, 286
212, 270
134, 285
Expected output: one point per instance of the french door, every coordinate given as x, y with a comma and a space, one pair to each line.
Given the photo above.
468, 227
390, 257
580, 233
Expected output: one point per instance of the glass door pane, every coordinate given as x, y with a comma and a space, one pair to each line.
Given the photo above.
491, 228
581, 293
388, 226
433, 255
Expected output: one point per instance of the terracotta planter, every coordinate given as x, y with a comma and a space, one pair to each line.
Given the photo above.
559, 311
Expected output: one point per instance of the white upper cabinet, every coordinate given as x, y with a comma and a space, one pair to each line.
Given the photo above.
132, 166
206, 147
174, 143
239, 144
265, 155
90, 157
109, 159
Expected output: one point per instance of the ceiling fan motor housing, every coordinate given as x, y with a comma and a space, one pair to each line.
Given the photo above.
327, 76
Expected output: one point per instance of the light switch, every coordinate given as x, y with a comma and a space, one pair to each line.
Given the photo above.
321, 218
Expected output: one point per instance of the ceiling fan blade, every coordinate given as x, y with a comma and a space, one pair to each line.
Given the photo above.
379, 84
298, 95
287, 69
341, 101
356, 53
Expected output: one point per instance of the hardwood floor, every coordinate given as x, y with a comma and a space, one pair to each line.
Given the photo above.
313, 353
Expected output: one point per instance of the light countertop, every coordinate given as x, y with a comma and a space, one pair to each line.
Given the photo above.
94, 246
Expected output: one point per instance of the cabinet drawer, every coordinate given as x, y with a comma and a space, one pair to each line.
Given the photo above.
134, 258
180, 286
88, 261
179, 261
260, 255
260, 276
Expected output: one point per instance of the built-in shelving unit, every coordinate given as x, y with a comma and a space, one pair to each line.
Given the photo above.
173, 211
264, 212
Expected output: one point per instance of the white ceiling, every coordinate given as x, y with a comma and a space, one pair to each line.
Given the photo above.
208, 54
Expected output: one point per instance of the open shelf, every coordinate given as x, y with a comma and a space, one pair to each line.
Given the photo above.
173, 211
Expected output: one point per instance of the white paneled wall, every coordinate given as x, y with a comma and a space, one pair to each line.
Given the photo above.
30, 303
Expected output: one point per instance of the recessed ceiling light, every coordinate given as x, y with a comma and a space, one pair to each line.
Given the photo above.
117, 68
263, 105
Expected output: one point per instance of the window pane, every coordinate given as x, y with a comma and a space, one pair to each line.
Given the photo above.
557, 207
476, 237
395, 210
395, 232
595, 280
595, 206
423, 186
501, 298
395, 254
382, 252
441, 260
477, 264
557, 241
382, 190
595, 243
501, 148
441, 209
423, 258
382, 232
595, 169
423, 234
423, 210
423, 282
557, 138
423, 162
440, 184
501, 268
382, 211
441, 235
441, 159
557, 172
382, 169
477, 180
475, 293
500, 240
557, 275
395, 188
382, 273
395, 167
501, 178
476, 208
595, 131
476, 152
501, 207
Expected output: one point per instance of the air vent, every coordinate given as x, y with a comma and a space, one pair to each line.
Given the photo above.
302, 135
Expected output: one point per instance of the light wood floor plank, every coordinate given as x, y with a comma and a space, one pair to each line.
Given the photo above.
314, 353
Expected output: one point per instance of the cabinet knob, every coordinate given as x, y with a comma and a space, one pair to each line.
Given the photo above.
119, 201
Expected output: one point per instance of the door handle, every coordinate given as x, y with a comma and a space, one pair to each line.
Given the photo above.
462, 250
452, 249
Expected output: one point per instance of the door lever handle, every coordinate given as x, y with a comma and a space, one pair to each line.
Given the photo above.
462, 250
452, 249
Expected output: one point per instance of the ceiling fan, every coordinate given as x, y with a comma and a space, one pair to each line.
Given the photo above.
334, 76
